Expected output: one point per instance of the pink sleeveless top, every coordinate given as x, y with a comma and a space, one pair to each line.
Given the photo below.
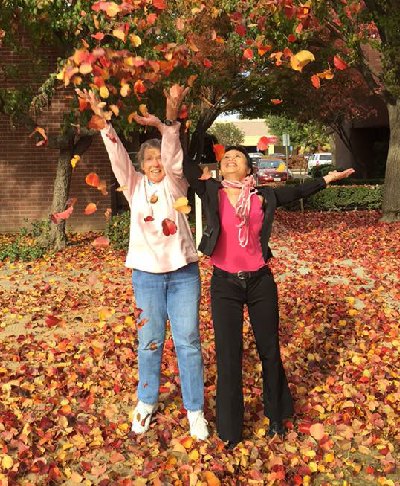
228, 254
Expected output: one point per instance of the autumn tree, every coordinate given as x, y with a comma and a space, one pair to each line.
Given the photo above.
227, 133
41, 32
367, 33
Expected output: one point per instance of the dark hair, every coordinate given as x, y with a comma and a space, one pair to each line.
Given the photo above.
241, 149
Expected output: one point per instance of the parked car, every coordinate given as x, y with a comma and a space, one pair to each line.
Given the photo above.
272, 169
320, 158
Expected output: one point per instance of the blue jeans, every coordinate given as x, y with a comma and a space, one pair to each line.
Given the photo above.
174, 296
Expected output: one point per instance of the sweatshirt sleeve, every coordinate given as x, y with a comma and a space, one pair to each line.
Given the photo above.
287, 194
172, 158
121, 164
193, 173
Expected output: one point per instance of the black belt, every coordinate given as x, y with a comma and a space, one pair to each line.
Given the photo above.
242, 275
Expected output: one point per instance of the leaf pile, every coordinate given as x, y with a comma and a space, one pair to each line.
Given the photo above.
68, 369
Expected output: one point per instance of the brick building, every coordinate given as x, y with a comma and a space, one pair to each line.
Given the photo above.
27, 172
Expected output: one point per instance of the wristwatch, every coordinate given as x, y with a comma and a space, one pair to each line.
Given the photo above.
169, 123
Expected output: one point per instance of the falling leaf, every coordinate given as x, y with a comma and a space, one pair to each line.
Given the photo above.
339, 63
148, 219
90, 209
75, 159
96, 123
219, 151
315, 81
92, 179
182, 205
276, 101
263, 144
143, 110
41, 131
248, 54
104, 93
301, 59
169, 227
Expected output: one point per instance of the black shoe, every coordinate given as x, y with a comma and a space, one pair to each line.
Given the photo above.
277, 427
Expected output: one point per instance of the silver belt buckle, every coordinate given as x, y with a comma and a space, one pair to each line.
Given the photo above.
241, 275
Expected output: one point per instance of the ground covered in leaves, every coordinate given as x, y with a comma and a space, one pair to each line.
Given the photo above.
68, 368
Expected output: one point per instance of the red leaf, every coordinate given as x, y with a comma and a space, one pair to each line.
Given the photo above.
291, 38
207, 63
160, 4
240, 29
148, 218
139, 87
219, 151
339, 63
169, 227
183, 114
276, 101
92, 179
263, 144
248, 54
57, 218
52, 321
98, 36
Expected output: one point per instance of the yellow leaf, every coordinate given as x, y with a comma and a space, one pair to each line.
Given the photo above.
119, 34
85, 68
114, 109
329, 457
75, 159
7, 462
211, 478
313, 466
181, 205
125, 89
281, 167
113, 9
194, 455
301, 59
135, 40
104, 93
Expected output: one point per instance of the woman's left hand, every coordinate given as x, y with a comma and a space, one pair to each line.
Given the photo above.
148, 120
336, 176
174, 98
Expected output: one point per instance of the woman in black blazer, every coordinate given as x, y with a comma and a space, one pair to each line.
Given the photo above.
239, 220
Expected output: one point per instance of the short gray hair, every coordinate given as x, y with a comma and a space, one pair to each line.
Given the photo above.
152, 143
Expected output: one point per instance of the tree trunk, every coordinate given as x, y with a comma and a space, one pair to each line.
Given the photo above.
391, 196
206, 119
58, 238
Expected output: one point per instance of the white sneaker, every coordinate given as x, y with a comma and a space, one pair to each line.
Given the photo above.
198, 425
142, 416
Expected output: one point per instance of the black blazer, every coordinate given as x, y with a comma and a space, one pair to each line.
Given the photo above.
272, 198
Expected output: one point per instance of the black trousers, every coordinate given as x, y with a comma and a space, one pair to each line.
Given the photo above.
228, 297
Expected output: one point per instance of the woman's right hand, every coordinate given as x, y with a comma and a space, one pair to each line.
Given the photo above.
148, 121
96, 105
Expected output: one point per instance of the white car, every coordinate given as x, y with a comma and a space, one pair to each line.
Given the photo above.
321, 158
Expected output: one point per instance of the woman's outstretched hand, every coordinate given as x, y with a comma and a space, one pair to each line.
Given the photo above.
148, 121
336, 176
174, 97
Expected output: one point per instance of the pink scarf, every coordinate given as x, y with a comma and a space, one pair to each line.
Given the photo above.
242, 207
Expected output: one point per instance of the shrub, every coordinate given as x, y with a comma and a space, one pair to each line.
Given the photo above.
28, 244
321, 170
118, 230
336, 198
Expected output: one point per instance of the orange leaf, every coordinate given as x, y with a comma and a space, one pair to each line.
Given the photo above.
160, 4
317, 431
211, 479
248, 54
276, 101
316, 82
92, 179
90, 209
101, 242
219, 151
96, 123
